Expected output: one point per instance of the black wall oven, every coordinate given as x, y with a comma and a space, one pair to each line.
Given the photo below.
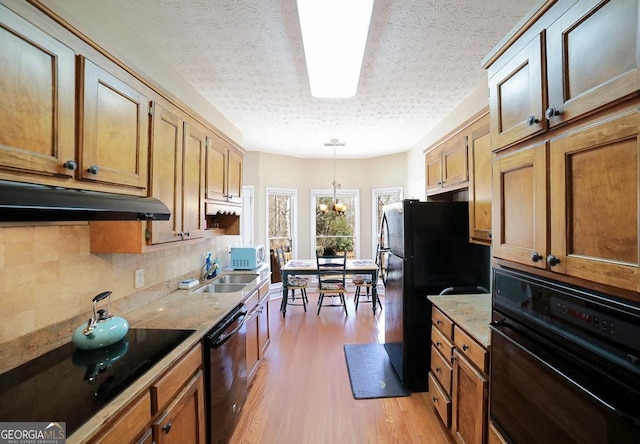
565, 363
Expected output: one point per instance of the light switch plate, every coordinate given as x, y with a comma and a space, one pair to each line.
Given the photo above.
139, 278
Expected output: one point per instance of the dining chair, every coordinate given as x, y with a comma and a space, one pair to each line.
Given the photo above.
361, 281
332, 270
294, 283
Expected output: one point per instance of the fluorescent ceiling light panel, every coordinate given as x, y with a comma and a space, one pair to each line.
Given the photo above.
334, 35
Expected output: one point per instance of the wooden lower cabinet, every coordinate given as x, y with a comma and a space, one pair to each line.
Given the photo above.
258, 337
458, 380
469, 403
494, 436
130, 425
184, 420
171, 410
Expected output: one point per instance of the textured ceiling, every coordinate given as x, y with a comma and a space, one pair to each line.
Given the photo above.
246, 57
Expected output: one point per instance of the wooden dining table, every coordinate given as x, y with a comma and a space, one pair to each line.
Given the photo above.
298, 267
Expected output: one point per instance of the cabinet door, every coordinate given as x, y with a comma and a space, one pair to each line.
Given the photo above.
166, 172
114, 118
216, 169
253, 347
37, 109
264, 337
234, 184
183, 422
480, 188
516, 96
129, 425
455, 171
520, 206
193, 159
469, 403
594, 188
592, 57
433, 170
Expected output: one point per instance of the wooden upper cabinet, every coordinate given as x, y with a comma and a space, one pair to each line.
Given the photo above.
37, 109
520, 206
193, 180
223, 172
594, 191
480, 186
166, 171
216, 168
592, 59
446, 166
593, 56
234, 185
433, 170
516, 97
114, 122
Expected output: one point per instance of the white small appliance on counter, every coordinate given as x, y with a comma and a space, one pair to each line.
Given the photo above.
247, 258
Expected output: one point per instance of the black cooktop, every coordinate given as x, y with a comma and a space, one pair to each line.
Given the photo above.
71, 385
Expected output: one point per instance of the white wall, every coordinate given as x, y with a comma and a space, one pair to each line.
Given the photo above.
475, 102
271, 170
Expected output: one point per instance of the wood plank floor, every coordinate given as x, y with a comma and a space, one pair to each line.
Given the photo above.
302, 393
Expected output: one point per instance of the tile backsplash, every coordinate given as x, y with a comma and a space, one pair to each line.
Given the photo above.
48, 275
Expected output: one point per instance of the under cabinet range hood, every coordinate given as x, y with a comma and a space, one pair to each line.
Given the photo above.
24, 202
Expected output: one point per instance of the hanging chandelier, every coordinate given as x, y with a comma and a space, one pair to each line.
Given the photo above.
337, 205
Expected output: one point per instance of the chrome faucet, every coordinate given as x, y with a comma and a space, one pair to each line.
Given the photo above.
208, 270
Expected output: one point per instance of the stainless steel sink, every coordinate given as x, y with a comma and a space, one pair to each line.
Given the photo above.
236, 278
222, 287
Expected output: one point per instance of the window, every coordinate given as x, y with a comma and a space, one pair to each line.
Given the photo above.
381, 197
282, 220
334, 231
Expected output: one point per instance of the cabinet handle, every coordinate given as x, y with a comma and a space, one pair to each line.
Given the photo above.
92, 169
434, 399
167, 428
70, 165
551, 112
532, 120
535, 257
552, 260
465, 347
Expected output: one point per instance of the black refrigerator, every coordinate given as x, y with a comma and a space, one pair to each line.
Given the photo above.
427, 249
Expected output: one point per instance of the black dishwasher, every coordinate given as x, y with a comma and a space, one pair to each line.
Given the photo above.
226, 374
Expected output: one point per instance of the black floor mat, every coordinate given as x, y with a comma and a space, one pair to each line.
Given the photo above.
371, 373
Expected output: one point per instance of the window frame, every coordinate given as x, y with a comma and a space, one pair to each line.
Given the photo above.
349, 193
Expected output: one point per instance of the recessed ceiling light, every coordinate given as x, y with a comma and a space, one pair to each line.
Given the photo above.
334, 35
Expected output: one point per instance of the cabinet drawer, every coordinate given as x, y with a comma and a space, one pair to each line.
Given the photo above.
130, 424
473, 351
442, 369
442, 323
444, 345
263, 290
441, 402
165, 388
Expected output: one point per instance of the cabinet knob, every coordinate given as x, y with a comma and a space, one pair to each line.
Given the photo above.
187, 234
551, 112
92, 169
532, 120
70, 165
438, 322
552, 260
167, 428
438, 343
181, 234
465, 347
437, 370
434, 399
535, 257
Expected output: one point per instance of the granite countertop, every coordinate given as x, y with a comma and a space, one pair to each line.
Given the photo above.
472, 312
181, 309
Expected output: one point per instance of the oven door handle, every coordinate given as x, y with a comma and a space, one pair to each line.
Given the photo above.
241, 317
498, 326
